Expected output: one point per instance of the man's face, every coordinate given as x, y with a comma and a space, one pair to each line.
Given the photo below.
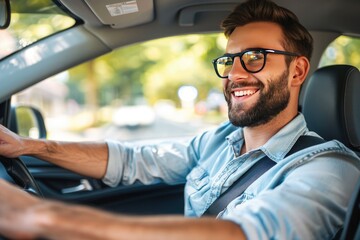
256, 98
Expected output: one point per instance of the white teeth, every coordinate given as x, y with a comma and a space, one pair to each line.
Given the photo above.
244, 93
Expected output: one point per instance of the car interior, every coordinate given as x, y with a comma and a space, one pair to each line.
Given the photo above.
329, 98
334, 116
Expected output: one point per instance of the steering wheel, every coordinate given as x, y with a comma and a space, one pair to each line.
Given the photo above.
14, 170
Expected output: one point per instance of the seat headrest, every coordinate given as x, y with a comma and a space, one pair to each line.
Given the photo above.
331, 104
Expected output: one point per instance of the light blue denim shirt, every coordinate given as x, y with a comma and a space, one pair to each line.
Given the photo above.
304, 196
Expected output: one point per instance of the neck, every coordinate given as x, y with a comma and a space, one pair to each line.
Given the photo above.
257, 136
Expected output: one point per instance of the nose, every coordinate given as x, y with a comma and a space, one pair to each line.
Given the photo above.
237, 71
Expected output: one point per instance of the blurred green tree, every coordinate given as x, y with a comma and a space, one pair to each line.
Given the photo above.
156, 69
343, 50
150, 70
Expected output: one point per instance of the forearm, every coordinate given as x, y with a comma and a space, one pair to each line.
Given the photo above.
86, 158
74, 222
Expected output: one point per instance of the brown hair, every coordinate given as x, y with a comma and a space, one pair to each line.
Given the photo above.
296, 36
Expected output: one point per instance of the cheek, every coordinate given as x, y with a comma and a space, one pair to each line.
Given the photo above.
225, 82
275, 63
264, 79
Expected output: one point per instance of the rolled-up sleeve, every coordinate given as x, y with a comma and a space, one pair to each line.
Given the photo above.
309, 204
114, 170
164, 162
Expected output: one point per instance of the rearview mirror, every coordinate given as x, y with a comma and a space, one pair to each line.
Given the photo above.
5, 14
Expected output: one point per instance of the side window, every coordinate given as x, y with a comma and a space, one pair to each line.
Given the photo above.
343, 50
164, 88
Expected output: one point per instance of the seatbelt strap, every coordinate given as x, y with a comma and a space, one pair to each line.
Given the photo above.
259, 168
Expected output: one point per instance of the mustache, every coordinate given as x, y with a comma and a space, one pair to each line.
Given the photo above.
233, 85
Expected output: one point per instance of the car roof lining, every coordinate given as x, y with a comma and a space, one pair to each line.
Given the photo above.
178, 17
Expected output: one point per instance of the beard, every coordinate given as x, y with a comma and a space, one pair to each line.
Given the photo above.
271, 102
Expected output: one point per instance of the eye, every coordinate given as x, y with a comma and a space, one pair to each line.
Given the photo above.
253, 58
225, 61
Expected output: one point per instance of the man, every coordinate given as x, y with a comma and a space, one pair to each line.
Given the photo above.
301, 197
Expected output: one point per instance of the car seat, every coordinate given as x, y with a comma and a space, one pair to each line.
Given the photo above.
331, 106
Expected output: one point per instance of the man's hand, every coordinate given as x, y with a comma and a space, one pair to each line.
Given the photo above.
23, 216
11, 144
16, 212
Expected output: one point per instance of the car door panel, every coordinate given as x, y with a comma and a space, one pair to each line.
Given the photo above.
61, 184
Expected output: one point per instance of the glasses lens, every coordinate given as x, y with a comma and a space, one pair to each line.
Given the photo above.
253, 60
224, 65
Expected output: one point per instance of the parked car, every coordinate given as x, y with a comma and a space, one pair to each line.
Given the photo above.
87, 53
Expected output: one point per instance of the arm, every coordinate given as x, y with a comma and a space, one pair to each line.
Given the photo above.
90, 157
22, 215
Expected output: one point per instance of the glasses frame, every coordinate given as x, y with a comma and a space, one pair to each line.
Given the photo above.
241, 54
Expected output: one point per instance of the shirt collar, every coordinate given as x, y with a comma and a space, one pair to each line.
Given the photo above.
278, 145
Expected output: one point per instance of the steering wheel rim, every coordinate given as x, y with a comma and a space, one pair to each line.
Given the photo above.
20, 175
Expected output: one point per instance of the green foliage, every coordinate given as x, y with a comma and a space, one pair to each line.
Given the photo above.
154, 70
183, 61
34, 6
344, 50
31, 21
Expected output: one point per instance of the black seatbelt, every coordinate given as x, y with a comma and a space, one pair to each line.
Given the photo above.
264, 164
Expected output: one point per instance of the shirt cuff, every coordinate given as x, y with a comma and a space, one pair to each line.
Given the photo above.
114, 170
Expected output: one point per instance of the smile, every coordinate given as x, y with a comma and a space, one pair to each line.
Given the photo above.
244, 93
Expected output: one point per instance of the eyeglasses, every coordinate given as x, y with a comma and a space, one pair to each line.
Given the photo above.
253, 60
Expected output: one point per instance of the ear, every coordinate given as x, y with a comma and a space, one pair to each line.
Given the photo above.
301, 66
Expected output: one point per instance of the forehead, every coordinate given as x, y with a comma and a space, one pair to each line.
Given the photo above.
255, 35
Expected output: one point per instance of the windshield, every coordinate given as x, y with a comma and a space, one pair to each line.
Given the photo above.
30, 22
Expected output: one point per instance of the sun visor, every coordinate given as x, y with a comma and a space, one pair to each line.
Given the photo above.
122, 14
